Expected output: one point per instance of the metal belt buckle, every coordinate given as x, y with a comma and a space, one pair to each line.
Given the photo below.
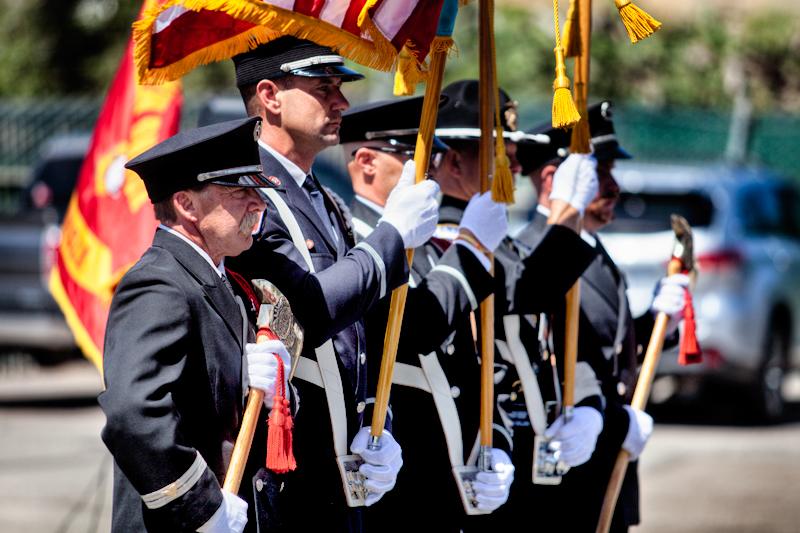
465, 477
355, 491
547, 468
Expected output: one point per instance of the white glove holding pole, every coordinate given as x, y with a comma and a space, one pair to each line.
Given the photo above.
578, 437
639, 430
492, 488
486, 219
262, 367
575, 181
412, 208
670, 298
230, 517
380, 466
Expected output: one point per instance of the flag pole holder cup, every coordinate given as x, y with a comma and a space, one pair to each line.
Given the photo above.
353, 481
547, 466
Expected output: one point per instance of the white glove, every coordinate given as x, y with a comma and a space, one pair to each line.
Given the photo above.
230, 517
575, 181
670, 298
380, 466
639, 430
578, 437
486, 219
412, 208
262, 367
492, 488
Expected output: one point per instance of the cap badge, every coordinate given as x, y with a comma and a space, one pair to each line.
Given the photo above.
511, 114
257, 131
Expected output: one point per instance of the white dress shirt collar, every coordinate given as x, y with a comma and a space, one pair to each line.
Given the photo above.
297, 173
372, 205
220, 268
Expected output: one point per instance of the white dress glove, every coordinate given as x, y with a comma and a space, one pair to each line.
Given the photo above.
380, 466
230, 517
262, 367
412, 208
492, 488
639, 431
670, 298
577, 438
575, 181
486, 219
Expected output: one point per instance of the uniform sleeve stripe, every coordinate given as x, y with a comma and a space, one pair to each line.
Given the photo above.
446, 269
177, 488
378, 262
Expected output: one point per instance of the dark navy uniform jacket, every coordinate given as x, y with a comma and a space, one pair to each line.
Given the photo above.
329, 304
448, 284
173, 399
610, 340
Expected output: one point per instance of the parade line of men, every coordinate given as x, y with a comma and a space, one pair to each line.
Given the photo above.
238, 201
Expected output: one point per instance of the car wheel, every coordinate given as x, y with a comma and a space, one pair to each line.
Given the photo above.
769, 385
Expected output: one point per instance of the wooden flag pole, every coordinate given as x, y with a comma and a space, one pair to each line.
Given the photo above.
422, 155
486, 97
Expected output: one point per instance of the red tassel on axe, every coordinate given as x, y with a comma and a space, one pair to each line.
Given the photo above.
690, 352
280, 458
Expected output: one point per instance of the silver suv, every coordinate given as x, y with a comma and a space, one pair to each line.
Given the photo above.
747, 245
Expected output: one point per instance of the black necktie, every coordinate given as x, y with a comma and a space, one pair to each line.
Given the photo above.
315, 195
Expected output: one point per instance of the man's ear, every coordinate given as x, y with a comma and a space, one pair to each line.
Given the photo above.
366, 160
186, 205
453, 163
548, 171
267, 92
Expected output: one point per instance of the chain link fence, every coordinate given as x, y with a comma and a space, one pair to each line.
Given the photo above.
684, 135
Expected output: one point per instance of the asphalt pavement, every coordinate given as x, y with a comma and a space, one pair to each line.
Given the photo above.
706, 469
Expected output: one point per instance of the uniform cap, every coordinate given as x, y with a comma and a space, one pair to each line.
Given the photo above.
225, 154
290, 56
459, 117
604, 139
395, 122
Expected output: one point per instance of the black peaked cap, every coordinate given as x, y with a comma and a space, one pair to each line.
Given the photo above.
225, 154
290, 55
394, 121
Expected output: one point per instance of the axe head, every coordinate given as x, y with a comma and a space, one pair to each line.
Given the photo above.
684, 243
276, 314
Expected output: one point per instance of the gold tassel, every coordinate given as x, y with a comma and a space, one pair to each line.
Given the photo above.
406, 73
565, 114
638, 23
503, 180
572, 34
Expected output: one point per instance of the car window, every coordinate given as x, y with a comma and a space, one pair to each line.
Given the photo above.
650, 212
759, 209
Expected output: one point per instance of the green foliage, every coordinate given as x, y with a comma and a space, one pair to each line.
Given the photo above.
72, 47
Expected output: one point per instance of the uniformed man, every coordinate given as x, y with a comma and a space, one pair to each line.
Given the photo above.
522, 287
609, 339
176, 333
307, 250
447, 284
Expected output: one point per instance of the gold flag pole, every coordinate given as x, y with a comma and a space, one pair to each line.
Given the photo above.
422, 154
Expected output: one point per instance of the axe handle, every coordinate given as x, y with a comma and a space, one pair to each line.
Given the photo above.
241, 450
639, 401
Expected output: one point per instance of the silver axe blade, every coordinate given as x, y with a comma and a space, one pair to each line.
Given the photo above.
276, 314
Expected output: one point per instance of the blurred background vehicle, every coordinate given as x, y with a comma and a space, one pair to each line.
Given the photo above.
30, 320
746, 226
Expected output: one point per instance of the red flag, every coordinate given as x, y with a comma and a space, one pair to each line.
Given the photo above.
109, 222
178, 35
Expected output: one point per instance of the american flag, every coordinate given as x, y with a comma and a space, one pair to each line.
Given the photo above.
179, 35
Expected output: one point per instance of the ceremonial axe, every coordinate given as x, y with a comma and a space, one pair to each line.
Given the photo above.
682, 261
275, 321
